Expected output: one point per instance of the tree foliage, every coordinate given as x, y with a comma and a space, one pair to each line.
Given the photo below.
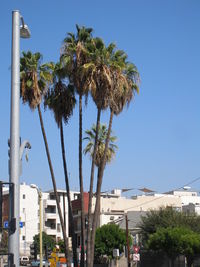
90, 137
167, 217
4, 242
46, 241
175, 241
89, 66
109, 237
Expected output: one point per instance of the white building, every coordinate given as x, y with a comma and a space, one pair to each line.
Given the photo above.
113, 206
190, 200
29, 215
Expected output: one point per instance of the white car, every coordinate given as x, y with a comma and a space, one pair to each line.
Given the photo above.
24, 260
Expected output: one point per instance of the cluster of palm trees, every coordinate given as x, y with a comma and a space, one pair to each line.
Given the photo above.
86, 67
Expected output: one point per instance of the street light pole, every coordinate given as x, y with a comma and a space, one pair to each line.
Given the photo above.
17, 32
14, 133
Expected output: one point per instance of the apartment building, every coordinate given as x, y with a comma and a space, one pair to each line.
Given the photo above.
29, 214
113, 206
190, 199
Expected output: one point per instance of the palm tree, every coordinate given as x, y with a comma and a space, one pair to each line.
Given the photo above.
124, 77
74, 56
89, 149
35, 78
100, 87
61, 100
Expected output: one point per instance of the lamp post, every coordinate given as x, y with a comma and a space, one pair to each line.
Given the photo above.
17, 32
40, 207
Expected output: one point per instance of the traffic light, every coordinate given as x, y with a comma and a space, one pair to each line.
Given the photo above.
33, 251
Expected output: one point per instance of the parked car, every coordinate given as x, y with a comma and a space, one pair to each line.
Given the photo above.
24, 260
37, 263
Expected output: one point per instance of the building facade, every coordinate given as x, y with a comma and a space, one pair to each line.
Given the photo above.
113, 207
29, 214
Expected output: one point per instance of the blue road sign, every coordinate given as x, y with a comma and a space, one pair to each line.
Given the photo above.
6, 224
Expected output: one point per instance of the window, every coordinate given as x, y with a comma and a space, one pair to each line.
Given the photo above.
24, 196
23, 237
24, 210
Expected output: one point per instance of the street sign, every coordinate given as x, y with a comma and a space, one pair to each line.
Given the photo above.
136, 249
115, 252
136, 257
6, 224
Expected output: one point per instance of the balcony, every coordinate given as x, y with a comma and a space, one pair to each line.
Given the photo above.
50, 231
49, 202
50, 216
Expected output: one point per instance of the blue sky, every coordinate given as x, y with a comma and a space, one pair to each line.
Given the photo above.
159, 134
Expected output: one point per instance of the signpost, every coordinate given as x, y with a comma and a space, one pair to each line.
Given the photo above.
136, 255
116, 255
136, 249
6, 224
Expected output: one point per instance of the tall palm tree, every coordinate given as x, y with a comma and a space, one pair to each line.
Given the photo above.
61, 100
35, 78
74, 56
100, 87
125, 79
89, 149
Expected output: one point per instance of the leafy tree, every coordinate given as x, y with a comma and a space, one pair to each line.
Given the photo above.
74, 56
167, 217
46, 241
61, 245
61, 100
100, 85
124, 83
4, 242
175, 241
97, 152
35, 78
109, 237
89, 149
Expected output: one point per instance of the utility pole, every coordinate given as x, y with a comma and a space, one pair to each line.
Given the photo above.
14, 168
13, 244
127, 243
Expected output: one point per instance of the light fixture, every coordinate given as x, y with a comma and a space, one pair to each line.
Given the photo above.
24, 30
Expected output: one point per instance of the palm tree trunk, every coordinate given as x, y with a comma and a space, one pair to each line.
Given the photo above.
71, 219
81, 186
98, 190
91, 189
53, 181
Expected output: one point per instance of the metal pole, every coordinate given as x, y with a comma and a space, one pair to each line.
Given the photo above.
127, 242
14, 133
40, 201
